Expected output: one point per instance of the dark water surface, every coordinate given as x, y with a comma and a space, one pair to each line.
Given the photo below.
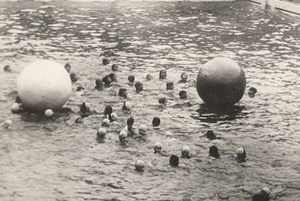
42, 159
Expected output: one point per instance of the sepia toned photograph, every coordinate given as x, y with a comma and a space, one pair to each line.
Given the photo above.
150, 100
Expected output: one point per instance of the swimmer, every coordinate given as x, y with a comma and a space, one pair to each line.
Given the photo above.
18, 100
15, 107
105, 61
74, 77
48, 113
143, 129
156, 122
107, 80
122, 137
162, 74
185, 152
79, 120
184, 77
123, 92
131, 79
101, 134
174, 161
210, 135
162, 100
7, 68
68, 67
241, 154
99, 84
252, 91
105, 122
113, 77
263, 195
85, 109
214, 152
8, 124
183, 94
114, 67
139, 87
148, 77
139, 165
80, 88
157, 147
108, 110
127, 105
170, 85
114, 117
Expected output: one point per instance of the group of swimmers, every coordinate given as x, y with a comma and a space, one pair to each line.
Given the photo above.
128, 131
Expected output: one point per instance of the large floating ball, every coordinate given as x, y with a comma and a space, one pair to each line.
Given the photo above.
44, 85
221, 82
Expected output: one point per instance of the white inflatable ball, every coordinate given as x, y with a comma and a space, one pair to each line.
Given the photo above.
43, 85
48, 113
221, 82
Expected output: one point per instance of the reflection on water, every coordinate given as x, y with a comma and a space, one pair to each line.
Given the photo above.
56, 159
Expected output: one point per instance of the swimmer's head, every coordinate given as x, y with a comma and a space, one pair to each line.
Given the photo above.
170, 85
99, 84
148, 77
174, 161
105, 61
252, 91
183, 94
214, 152
105, 122
131, 78
157, 147
130, 121
210, 135
108, 110
101, 133
139, 87
74, 77
122, 92
127, 105
143, 129
68, 67
139, 165
184, 77
162, 100
85, 107
114, 116
162, 74
15, 107
241, 154
114, 67
8, 124
113, 77
263, 195
7, 68
185, 152
107, 80
122, 136
80, 88
18, 100
79, 120
155, 121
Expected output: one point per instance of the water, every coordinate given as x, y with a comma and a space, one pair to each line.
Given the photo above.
44, 159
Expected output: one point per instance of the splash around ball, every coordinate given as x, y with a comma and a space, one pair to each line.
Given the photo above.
221, 82
42, 85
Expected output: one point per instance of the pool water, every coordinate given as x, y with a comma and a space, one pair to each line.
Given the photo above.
57, 159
